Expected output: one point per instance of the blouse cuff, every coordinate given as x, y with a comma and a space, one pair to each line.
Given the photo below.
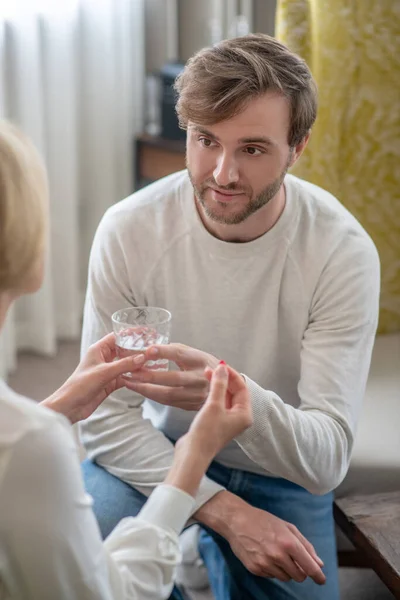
168, 507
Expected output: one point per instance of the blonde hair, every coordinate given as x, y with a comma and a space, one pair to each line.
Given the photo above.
23, 212
218, 82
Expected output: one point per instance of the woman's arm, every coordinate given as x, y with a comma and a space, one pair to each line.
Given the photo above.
50, 535
51, 540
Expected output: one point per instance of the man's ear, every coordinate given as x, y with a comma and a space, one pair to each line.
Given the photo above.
299, 149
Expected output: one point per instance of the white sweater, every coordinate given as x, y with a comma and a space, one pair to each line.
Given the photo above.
294, 310
50, 543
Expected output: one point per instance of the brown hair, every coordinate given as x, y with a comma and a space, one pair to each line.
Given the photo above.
23, 207
218, 82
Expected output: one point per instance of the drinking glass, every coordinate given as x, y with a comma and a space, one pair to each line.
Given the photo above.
137, 328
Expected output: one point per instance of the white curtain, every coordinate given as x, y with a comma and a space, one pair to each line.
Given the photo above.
72, 77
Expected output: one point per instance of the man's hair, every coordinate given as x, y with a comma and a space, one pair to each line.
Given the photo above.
218, 82
23, 213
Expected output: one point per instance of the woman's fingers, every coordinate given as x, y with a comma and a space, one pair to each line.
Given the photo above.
124, 365
219, 385
236, 394
236, 381
107, 340
106, 343
104, 350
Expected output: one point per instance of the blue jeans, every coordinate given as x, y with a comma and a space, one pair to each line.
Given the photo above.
229, 579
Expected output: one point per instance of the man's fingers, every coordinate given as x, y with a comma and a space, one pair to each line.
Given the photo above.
292, 569
300, 569
307, 545
177, 353
308, 564
170, 396
172, 378
277, 573
208, 373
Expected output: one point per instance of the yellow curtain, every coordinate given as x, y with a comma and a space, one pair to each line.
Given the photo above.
353, 50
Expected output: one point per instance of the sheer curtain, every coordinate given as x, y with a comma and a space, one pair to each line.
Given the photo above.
71, 76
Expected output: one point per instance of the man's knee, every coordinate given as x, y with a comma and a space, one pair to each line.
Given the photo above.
113, 499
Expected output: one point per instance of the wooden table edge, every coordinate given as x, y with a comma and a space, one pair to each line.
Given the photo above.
385, 571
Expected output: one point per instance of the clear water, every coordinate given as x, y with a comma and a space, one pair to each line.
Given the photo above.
138, 341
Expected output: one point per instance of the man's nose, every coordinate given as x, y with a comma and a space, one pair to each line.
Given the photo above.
226, 171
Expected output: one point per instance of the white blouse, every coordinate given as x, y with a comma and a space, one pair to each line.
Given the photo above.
50, 543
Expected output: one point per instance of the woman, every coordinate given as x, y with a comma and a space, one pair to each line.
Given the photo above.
50, 545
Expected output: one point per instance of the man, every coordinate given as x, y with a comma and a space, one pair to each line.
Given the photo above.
269, 273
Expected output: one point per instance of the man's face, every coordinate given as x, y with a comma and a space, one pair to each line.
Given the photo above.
236, 166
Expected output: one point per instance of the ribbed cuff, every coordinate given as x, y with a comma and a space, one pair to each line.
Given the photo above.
261, 402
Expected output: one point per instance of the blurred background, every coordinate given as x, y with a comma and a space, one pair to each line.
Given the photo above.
91, 82
81, 78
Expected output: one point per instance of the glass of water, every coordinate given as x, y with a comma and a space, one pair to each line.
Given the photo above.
138, 328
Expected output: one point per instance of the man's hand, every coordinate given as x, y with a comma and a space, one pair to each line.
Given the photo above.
265, 544
187, 388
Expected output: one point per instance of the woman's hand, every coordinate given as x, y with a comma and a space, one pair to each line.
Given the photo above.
97, 376
226, 413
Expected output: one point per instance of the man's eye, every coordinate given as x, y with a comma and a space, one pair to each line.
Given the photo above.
206, 142
253, 151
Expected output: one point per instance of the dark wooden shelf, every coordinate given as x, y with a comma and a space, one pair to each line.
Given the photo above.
157, 157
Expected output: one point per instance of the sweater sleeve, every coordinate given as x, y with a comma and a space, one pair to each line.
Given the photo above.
116, 435
311, 444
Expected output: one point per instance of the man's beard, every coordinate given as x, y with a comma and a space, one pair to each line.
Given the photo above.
251, 207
